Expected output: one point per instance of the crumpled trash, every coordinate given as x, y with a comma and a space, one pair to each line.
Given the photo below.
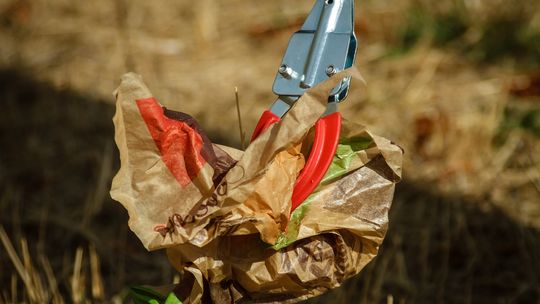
224, 215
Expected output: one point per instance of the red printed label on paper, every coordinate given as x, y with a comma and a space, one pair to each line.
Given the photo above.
179, 144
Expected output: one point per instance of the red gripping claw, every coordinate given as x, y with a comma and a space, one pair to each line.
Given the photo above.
267, 119
327, 131
324, 147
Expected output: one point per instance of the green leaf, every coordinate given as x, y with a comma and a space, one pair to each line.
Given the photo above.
172, 299
285, 239
145, 295
346, 151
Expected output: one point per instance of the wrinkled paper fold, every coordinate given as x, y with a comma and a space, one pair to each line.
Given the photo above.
224, 215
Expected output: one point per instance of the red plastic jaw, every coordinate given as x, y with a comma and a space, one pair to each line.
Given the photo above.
327, 131
267, 119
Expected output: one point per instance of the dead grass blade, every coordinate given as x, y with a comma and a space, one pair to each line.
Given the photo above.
98, 291
23, 273
40, 292
238, 112
77, 279
56, 298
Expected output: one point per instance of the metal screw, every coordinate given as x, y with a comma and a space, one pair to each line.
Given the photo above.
304, 85
331, 70
285, 71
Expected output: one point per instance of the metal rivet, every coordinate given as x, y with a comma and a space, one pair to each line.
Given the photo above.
285, 71
304, 85
331, 70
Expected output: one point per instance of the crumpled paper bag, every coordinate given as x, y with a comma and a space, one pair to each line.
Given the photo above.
225, 215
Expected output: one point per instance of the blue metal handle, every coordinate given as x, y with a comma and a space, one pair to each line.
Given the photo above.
325, 45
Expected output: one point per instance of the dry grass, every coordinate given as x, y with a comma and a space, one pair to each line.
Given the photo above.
459, 110
40, 284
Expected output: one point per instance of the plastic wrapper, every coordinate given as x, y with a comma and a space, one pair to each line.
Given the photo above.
224, 216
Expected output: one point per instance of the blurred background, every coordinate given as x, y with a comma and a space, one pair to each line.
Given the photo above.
456, 83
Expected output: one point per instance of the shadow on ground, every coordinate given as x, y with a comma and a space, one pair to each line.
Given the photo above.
448, 250
58, 157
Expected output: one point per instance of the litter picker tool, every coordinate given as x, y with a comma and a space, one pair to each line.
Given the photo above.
325, 45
